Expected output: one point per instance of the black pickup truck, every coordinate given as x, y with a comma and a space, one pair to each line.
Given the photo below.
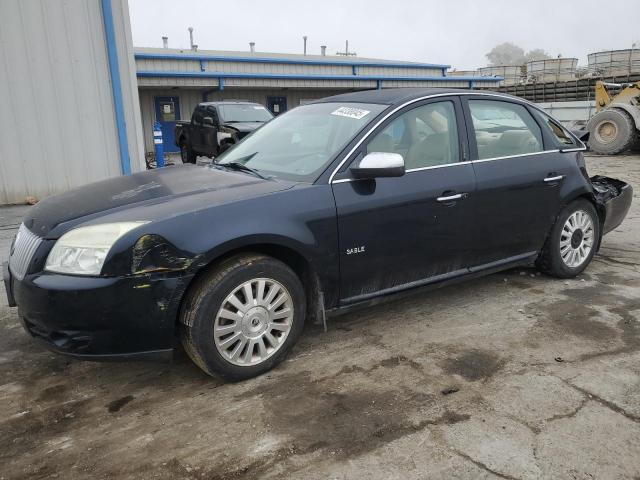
215, 126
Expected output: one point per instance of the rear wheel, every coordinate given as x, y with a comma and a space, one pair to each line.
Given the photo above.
242, 318
572, 242
187, 154
611, 131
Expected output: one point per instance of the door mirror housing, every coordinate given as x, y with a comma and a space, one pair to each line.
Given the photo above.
207, 121
379, 164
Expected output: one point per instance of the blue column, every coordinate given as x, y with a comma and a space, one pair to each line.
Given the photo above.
116, 88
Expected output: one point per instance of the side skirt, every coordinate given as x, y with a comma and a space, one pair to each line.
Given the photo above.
431, 283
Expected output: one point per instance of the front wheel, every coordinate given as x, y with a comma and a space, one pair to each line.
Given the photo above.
186, 154
572, 241
243, 317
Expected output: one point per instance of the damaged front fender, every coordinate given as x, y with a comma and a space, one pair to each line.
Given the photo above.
153, 253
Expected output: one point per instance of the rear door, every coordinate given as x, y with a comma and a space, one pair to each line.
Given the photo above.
396, 233
519, 178
196, 129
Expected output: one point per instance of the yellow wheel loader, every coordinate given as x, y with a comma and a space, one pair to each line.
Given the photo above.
616, 125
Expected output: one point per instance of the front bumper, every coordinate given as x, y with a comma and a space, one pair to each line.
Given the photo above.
615, 196
116, 318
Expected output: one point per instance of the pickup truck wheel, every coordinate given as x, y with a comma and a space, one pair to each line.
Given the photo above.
187, 154
226, 146
611, 131
243, 317
572, 242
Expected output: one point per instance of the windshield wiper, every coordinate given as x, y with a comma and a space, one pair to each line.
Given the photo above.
245, 121
243, 168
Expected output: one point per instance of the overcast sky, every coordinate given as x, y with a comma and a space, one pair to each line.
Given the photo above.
455, 32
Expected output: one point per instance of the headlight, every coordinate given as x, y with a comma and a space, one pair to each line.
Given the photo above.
82, 251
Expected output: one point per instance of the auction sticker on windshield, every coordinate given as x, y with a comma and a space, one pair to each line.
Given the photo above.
351, 112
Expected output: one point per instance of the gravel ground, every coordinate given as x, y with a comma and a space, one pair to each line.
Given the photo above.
515, 375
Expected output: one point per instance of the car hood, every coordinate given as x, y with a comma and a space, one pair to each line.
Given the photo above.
146, 188
244, 126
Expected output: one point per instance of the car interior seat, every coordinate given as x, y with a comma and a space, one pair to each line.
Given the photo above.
510, 142
433, 150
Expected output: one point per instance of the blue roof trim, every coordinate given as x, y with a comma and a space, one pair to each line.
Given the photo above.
223, 58
116, 88
297, 76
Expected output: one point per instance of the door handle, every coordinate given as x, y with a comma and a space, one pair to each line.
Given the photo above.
554, 179
450, 198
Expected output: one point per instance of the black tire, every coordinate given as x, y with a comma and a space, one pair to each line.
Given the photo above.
550, 259
224, 146
611, 131
205, 298
186, 154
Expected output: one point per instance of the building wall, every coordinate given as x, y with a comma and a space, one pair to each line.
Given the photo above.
57, 118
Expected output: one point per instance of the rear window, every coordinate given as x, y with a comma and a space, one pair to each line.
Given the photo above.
561, 134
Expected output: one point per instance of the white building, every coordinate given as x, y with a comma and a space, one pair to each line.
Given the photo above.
78, 102
69, 111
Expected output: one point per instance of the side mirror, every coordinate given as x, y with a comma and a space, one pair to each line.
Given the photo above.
379, 164
207, 121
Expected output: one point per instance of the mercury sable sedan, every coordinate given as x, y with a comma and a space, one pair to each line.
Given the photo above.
334, 204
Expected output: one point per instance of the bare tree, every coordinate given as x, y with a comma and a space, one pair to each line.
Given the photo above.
536, 54
510, 54
506, 54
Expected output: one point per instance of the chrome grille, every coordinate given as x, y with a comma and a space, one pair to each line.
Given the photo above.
24, 246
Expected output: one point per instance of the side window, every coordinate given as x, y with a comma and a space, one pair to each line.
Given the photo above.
425, 136
211, 112
560, 133
197, 116
503, 129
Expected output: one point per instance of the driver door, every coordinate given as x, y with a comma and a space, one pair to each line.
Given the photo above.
210, 132
397, 233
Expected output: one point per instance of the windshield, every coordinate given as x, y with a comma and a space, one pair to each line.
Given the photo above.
300, 144
244, 112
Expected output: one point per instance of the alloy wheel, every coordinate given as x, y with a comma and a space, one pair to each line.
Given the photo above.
576, 239
253, 322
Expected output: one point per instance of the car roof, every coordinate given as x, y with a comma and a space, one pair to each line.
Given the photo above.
396, 96
227, 102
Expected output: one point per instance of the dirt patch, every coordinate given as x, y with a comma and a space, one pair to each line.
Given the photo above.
31, 429
474, 365
575, 318
398, 360
116, 405
342, 425
342, 417
346, 414
612, 278
629, 323
53, 393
